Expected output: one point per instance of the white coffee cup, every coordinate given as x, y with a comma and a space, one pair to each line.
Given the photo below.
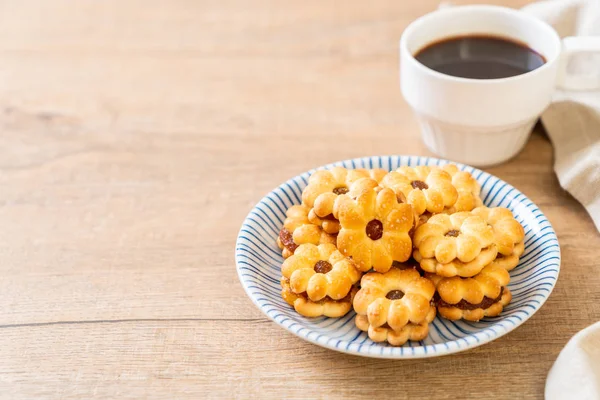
485, 121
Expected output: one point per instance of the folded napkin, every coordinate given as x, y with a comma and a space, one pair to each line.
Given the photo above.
573, 119
573, 124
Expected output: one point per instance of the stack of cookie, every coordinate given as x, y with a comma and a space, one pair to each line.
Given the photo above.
397, 247
317, 279
460, 255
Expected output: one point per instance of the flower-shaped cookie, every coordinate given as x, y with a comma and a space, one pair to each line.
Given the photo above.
374, 230
327, 307
322, 211
468, 189
484, 295
396, 338
508, 235
320, 271
395, 298
336, 180
458, 244
425, 188
298, 230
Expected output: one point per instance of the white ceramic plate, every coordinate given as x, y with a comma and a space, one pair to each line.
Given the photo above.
258, 261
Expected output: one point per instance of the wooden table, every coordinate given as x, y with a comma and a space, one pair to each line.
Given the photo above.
135, 137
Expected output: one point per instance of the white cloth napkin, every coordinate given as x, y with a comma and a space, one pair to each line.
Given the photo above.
576, 372
573, 119
573, 124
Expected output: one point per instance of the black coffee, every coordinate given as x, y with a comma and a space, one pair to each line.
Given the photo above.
480, 57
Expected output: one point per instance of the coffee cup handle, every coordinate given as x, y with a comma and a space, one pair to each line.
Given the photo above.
573, 46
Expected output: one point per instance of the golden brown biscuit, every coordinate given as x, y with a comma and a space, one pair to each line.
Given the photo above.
322, 211
508, 235
336, 180
320, 271
472, 298
468, 189
298, 230
425, 188
458, 244
374, 230
395, 298
396, 338
326, 307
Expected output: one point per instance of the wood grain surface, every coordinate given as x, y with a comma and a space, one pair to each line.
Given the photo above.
136, 136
